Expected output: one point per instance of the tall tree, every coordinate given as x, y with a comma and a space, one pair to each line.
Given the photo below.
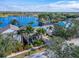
40, 32
14, 22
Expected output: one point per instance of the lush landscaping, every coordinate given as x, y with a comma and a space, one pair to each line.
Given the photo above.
33, 37
61, 34
8, 45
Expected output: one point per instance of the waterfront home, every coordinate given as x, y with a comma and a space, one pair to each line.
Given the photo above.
66, 24
9, 29
49, 28
12, 30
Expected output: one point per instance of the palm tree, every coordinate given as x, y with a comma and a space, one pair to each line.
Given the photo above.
31, 23
50, 27
1, 22
29, 32
42, 22
40, 32
21, 33
14, 22
43, 19
29, 29
26, 33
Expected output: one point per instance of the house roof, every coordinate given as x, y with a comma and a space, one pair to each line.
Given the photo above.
9, 29
65, 24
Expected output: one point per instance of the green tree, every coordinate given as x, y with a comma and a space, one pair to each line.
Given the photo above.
14, 22
29, 29
40, 32
1, 22
56, 43
8, 45
63, 50
26, 34
76, 23
31, 23
65, 33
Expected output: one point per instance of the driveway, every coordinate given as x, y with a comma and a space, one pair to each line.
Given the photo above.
74, 41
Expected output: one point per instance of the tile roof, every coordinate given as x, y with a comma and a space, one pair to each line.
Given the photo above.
12, 27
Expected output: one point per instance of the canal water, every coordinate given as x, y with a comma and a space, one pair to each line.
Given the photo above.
22, 21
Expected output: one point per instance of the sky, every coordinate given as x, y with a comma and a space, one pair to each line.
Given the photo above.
40, 5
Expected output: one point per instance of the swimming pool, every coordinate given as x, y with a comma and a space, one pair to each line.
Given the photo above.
66, 24
62, 23
22, 20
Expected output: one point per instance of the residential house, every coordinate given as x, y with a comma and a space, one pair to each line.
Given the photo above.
11, 29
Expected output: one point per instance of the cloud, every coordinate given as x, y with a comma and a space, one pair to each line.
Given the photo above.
65, 5
60, 6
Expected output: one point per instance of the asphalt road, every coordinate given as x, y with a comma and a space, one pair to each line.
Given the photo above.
37, 55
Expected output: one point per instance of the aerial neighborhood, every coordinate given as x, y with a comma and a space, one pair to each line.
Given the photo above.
44, 35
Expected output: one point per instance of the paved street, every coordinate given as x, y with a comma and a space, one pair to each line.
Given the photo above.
37, 55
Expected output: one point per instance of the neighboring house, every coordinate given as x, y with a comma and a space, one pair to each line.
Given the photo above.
65, 24
46, 27
77, 18
50, 31
11, 29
